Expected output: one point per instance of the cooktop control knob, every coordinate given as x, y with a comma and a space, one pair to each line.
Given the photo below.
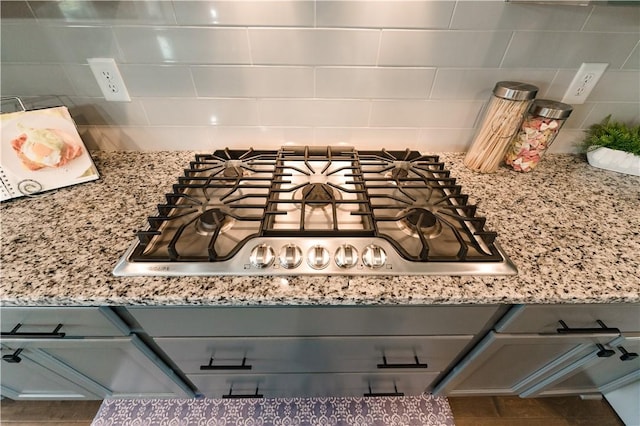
318, 257
346, 256
374, 256
290, 256
262, 256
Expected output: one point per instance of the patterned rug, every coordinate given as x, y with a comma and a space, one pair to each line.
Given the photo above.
424, 410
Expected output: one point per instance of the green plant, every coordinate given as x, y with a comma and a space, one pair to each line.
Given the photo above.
613, 135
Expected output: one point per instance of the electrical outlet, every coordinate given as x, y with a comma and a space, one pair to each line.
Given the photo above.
109, 79
583, 83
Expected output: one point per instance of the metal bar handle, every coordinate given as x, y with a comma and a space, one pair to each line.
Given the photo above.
230, 395
603, 329
394, 393
35, 335
417, 364
242, 366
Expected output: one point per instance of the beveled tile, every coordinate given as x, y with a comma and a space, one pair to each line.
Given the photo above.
620, 86
144, 45
39, 48
444, 140
76, 44
94, 111
260, 137
438, 114
408, 83
628, 112
83, 80
384, 14
253, 82
111, 12
314, 112
34, 80
245, 13
147, 138
201, 112
633, 61
295, 46
368, 137
443, 48
18, 10
158, 80
619, 18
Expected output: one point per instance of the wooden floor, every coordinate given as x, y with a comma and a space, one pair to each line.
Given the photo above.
469, 411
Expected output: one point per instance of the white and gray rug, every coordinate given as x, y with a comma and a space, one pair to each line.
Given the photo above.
424, 410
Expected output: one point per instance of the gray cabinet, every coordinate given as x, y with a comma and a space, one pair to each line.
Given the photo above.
313, 351
550, 350
46, 356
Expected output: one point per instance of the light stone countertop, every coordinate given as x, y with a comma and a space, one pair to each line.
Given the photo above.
572, 230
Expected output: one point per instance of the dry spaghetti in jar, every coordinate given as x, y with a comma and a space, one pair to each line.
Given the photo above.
537, 132
501, 121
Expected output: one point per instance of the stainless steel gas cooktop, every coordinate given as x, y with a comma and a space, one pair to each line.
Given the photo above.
329, 210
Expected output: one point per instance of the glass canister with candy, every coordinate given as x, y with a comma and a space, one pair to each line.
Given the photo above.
540, 127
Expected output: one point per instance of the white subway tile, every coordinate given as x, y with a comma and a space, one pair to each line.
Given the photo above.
34, 80
443, 48
184, 45
245, 13
627, 112
478, 83
620, 86
439, 114
289, 46
26, 42
618, 19
201, 112
109, 12
368, 137
94, 111
253, 82
76, 44
15, 10
158, 80
444, 140
633, 61
83, 80
500, 15
384, 14
551, 49
316, 112
260, 137
409, 83
567, 141
145, 138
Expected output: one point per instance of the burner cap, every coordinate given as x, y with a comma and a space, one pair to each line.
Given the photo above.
233, 172
317, 194
419, 220
210, 221
399, 173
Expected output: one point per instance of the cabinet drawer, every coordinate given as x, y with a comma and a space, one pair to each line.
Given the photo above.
312, 385
76, 321
546, 318
313, 354
313, 321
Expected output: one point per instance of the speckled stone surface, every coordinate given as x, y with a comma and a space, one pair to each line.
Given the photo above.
572, 230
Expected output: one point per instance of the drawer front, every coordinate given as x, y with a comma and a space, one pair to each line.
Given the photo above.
76, 321
317, 354
546, 318
312, 385
313, 321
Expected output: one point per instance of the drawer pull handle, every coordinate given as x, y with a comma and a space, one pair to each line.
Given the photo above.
230, 395
31, 335
589, 330
395, 393
13, 358
417, 364
627, 356
604, 352
242, 366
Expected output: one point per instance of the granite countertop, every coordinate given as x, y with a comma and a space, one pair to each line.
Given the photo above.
572, 230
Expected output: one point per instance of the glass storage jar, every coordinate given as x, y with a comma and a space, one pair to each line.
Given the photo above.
537, 132
501, 121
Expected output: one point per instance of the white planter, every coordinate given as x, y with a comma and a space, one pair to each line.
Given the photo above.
617, 161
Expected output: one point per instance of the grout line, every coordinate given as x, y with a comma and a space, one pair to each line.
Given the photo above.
584, 24
506, 50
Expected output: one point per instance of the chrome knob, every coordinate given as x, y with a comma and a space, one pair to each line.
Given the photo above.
262, 256
318, 257
374, 256
290, 256
346, 256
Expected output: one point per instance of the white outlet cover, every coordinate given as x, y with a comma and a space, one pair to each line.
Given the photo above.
583, 83
113, 87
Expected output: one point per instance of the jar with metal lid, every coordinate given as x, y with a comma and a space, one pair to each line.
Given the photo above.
537, 132
501, 121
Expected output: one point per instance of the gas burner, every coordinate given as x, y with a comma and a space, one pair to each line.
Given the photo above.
234, 169
212, 220
420, 221
318, 194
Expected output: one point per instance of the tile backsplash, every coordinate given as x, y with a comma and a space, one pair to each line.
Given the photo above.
209, 74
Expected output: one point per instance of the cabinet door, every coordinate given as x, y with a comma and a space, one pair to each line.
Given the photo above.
115, 367
72, 321
312, 385
313, 354
593, 374
507, 364
28, 379
546, 318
